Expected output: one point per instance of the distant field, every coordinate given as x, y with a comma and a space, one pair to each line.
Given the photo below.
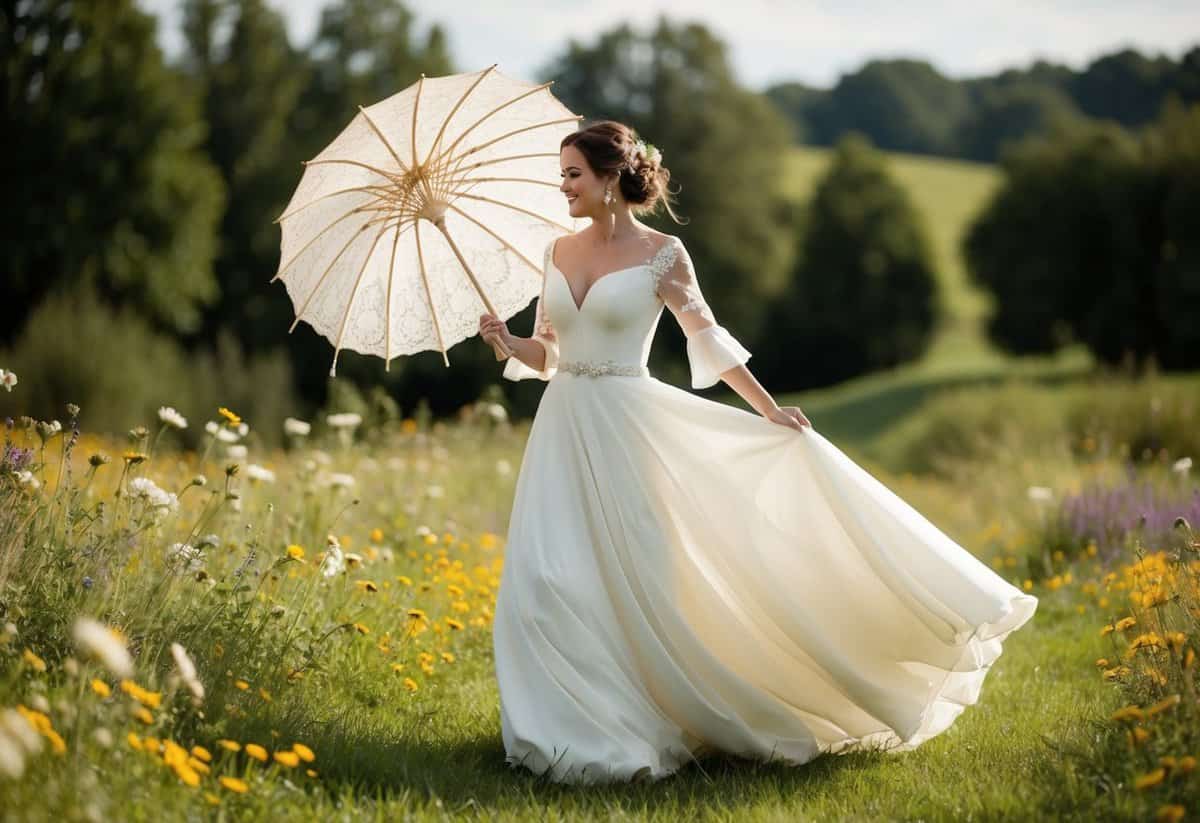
949, 194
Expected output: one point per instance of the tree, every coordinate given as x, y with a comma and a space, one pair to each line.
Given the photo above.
863, 296
1007, 113
723, 145
104, 155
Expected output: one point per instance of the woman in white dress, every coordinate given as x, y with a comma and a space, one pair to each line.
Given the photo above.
683, 577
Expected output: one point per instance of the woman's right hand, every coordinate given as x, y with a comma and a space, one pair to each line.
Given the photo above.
492, 328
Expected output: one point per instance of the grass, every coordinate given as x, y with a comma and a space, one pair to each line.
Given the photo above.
428, 535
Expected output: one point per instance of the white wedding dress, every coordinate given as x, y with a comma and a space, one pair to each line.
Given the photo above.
684, 577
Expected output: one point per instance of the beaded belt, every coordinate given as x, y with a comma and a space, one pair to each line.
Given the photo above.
594, 368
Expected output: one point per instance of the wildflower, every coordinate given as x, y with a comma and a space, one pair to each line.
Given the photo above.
296, 427
1176, 640
1186, 764
256, 751
1150, 780
1124, 623
228, 415
221, 433
1137, 736
8, 379
404, 580
264, 694
335, 561
361, 629
145, 489
171, 417
340, 480
33, 660
295, 552
447, 657
1161, 706
241, 684
237, 451
101, 688
256, 472
288, 758
304, 752
1170, 813
103, 737
97, 640
234, 784
1147, 640
343, 420
353, 560
1182, 465
187, 671
376, 535
134, 457
188, 557
143, 714
410, 684
416, 614
135, 742
1128, 713
457, 625
229, 745
201, 753
1117, 672
367, 585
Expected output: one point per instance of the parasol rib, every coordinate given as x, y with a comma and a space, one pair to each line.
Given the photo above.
442, 131
314, 239
385, 141
437, 327
329, 268
504, 136
514, 208
499, 108
350, 303
379, 190
504, 242
499, 347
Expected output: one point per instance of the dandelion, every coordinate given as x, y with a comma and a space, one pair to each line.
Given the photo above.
187, 671
143, 714
241, 684
410, 684
1170, 813
353, 560
1150, 780
99, 641
33, 660
171, 417
228, 415
101, 688
202, 754
376, 535
416, 614
288, 758
295, 552
447, 657
256, 751
233, 784
304, 752
229, 745
361, 629
367, 586
1125, 623
299, 428
456, 625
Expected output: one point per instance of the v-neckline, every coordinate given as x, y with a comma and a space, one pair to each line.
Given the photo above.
567, 282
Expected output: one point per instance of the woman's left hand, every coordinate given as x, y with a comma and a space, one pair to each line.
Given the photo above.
492, 328
789, 416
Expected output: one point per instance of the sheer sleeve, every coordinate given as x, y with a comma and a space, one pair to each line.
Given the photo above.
543, 332
711, 349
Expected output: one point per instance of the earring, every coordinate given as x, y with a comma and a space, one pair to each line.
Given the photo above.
607, 195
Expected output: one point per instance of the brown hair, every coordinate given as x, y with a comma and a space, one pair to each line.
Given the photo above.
610, 146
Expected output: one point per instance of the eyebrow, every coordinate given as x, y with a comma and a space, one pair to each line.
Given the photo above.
568, 168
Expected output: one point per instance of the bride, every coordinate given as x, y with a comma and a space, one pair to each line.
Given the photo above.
683, 577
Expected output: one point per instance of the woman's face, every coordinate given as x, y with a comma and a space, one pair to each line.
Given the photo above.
583, 189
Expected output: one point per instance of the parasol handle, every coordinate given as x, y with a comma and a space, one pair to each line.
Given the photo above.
502, 351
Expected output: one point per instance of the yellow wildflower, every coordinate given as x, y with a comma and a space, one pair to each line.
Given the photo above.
256, 751
234, 785
1161, 706
135, 742
366, 585
101, 688
230, 416
410, 684
1128, 713
1125, 622
457, 625
288, 758
1170, 813
304, 752
376, 535
201, 753
361, 629
1150, 780
33, 660
241, 684
295, 552
229, 745
143, 714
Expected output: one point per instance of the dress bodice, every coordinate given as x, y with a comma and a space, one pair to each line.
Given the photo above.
610, 331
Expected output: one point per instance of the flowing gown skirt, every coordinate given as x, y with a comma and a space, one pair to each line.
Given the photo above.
682, 576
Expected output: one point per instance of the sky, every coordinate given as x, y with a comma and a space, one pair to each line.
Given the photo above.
772, 41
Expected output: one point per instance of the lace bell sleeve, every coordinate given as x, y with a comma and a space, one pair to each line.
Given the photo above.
711, 349
543, 332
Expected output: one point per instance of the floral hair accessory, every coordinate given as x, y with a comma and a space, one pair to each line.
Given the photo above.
648, 150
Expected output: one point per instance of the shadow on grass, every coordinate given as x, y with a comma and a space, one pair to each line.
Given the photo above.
471, 772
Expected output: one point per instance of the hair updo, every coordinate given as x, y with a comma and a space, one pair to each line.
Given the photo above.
610, 146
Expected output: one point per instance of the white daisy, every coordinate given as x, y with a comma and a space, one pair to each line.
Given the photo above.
171, 417
343, 420
257, 472
297, 427
95, 639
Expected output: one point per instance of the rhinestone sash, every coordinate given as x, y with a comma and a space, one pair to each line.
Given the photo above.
594, 368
